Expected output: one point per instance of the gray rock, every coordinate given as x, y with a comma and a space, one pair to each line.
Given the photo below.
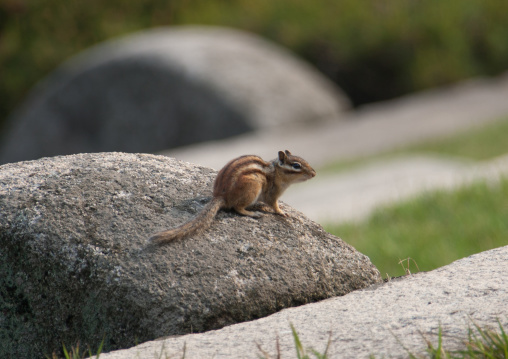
165, 88
388, 321
75, 263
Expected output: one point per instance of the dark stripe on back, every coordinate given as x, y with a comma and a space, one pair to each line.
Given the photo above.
233, 166
251, 171
228, 175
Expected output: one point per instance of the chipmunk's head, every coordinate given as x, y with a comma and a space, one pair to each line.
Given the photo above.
294, 168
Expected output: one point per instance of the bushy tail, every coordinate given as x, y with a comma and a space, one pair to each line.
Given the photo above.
196, 225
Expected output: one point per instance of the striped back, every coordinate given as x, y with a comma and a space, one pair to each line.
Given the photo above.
230, 173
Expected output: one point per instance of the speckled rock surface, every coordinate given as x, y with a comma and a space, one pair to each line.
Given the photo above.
387, 321
75, 263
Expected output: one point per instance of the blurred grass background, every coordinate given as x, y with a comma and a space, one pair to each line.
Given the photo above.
483, 143
439, 226
433, 229
373, 49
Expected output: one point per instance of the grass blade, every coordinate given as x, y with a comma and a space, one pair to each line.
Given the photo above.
298, 344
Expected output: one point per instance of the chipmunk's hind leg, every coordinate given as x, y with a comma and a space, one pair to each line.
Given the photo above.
247, 194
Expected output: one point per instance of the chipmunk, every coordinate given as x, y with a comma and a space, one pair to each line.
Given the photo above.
242, 183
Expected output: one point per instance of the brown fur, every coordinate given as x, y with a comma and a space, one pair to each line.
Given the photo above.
243, 182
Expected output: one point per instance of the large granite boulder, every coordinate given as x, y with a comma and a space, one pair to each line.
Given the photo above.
75, 264
165, 88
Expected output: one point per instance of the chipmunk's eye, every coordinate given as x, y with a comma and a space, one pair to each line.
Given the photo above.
297, 166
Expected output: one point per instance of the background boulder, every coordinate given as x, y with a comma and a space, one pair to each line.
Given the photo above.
75, 264
165, 88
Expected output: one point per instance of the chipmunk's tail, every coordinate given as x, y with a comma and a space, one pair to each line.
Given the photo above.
196, 225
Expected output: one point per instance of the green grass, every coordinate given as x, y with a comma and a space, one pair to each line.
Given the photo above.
75, 353
438, 227
301, 351
433, 229
482, 343
479, 144
483, 143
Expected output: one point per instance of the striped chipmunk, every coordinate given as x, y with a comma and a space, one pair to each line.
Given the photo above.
242, 183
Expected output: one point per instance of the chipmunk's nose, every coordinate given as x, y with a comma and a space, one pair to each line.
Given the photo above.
312, 174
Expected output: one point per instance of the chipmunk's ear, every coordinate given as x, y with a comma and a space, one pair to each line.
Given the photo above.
282, 157
288, 153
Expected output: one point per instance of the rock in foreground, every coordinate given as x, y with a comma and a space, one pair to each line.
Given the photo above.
75, 264
387, 321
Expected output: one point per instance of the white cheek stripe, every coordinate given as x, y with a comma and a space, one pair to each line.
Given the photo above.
289, 167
